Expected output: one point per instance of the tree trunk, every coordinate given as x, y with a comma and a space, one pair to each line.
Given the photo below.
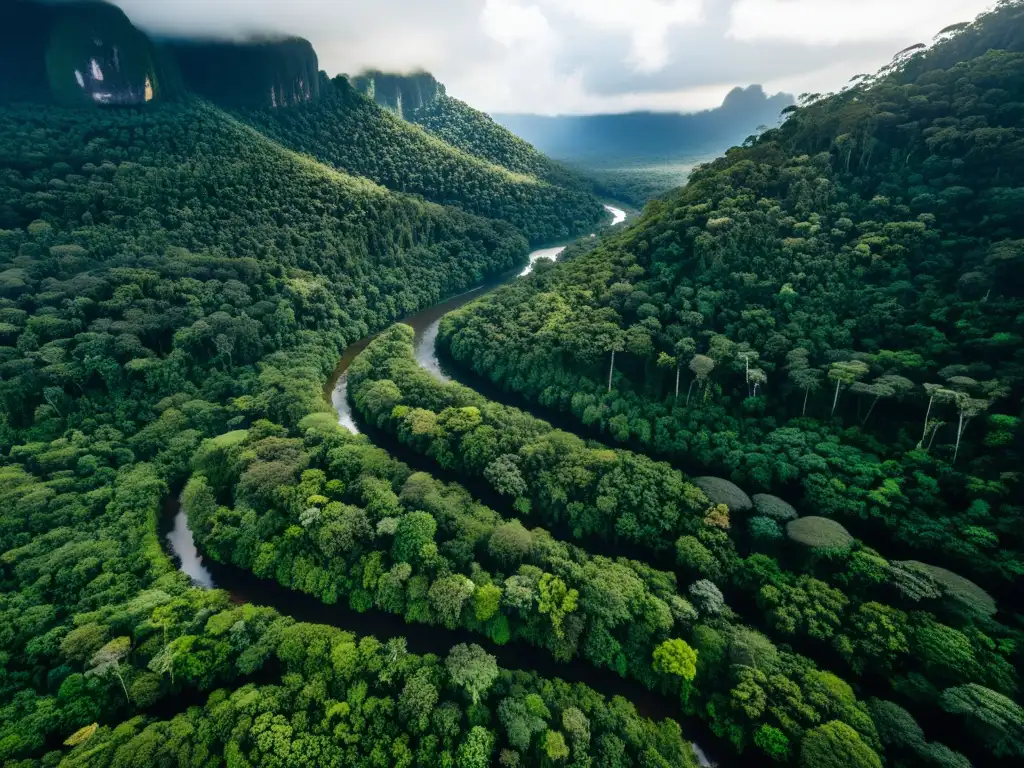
611, 370
927, 415
836, 398
931, 439
959, 432
807, 392
694, 381
123, 687
677, 381
873, 404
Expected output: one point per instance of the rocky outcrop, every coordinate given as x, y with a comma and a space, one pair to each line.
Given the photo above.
399, 93
258, 73
76, 53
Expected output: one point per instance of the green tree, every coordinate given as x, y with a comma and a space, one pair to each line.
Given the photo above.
556, 600
836, 745
676, 657
470, 667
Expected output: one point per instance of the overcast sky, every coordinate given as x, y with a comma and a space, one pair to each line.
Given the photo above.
585, 56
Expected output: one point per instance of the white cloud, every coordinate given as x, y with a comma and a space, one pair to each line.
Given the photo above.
583, 56
515, 25
646, 22
827, 22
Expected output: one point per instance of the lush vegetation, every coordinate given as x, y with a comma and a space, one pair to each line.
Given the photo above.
167, 274
348, 131
889, 625
832, 313
809, 535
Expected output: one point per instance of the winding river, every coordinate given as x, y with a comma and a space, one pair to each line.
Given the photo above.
244, 587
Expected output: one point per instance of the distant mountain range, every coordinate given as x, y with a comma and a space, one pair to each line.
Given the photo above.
651, 134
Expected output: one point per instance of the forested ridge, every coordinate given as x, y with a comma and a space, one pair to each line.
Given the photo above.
347, 130
832, 312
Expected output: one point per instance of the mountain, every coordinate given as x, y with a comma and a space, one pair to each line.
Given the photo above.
351, 133
419, 98
78, 53
398, 92
650, 134
869, 246
830, 318
256, 73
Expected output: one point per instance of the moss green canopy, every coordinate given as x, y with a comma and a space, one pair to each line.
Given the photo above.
819, 533
722, 491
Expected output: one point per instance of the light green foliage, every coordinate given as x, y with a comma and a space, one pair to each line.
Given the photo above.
510, 543
486, 600
475, 751
807, 606
556, 600
750, 648
676, 657
414, 531
554, 746
472, 668
693, 555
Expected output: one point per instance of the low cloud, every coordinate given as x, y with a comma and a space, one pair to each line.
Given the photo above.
583, 56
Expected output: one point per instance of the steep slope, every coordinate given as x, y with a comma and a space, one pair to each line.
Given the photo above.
355, 135
81, 52
256, 73
400, 93
869, 249
475, 132
420, 99
87, 193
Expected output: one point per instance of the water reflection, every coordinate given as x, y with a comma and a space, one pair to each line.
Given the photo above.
180, 540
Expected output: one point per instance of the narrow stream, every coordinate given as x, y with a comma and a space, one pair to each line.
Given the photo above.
244, 587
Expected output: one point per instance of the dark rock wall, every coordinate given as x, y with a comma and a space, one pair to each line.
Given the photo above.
266, 73
399, 93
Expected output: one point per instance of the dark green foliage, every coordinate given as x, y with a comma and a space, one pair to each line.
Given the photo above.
351, 133
839, 300
836, 745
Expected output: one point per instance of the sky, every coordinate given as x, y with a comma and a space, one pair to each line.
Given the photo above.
585, 56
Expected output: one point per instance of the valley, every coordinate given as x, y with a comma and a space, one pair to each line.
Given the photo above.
340, 425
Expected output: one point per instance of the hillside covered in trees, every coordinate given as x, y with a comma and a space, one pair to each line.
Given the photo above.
348, 131
833, 312
796, 537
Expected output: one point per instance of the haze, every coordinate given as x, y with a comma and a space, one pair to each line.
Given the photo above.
585, 56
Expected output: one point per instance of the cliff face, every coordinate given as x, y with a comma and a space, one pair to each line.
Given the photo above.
399, 93
263, 73
75, 53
